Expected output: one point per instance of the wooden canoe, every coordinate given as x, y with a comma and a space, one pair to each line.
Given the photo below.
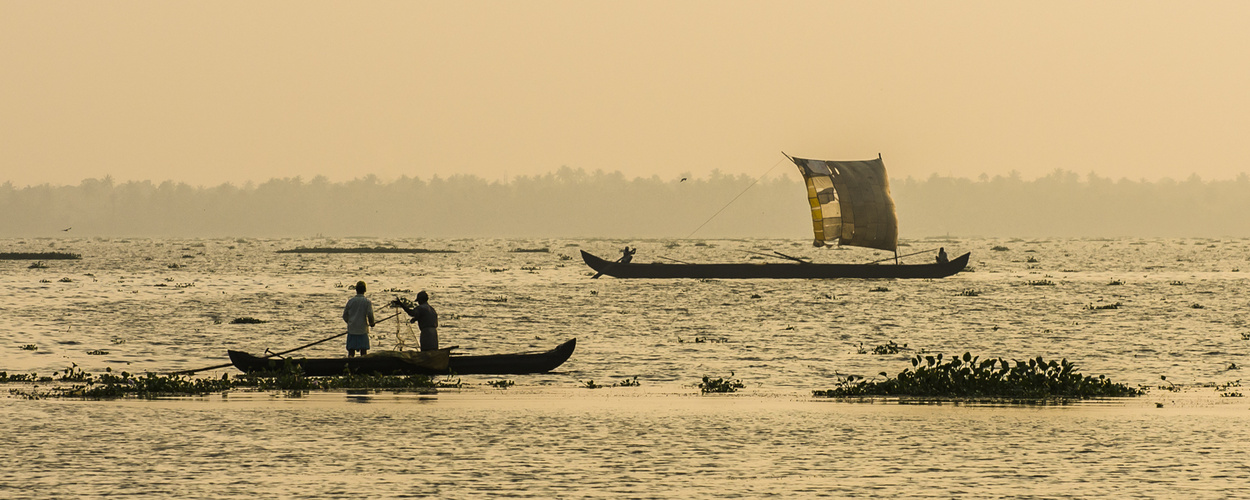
790, 270
438, 362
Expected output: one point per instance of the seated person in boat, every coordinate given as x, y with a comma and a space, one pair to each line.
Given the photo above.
941, 258
426, 318
628, 255
358, 314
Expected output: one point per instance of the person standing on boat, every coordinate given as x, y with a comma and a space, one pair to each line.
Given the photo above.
941, 258
358, 314
426, 319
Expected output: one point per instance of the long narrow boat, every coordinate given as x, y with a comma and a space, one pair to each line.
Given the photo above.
774, 270
439, 362
850, 204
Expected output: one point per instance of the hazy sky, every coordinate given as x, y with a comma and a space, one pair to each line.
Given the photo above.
224, 91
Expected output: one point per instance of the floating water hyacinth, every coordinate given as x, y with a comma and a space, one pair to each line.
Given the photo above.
290, 380
970, 377
720, 385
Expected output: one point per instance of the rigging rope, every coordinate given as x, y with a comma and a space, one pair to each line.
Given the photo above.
722, 209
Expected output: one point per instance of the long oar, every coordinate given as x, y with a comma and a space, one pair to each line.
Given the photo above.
901, 256
214, 367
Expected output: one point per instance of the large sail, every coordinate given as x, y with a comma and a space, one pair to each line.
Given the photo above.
851, 202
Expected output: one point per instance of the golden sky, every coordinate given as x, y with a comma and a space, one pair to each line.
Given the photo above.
237, 91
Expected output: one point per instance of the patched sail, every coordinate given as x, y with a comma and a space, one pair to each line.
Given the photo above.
850, 202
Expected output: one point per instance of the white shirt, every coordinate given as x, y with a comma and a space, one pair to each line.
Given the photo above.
357, 314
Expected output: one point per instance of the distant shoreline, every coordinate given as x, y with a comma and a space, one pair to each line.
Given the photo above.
363, 250
39, 256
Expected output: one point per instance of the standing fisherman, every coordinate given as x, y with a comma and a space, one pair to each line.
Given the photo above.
358, 314
426, 319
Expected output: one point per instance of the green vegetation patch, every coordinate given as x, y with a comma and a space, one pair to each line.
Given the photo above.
720, 385
290, 379
970, 377
247, 320
363, 250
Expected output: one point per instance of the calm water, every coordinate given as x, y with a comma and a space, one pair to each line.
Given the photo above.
158, 305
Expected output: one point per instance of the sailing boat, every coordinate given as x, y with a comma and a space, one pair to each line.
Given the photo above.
851, 204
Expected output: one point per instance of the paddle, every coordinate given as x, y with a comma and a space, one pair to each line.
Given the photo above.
214, 367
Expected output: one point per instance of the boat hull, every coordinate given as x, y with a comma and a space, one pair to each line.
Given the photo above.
492, 364
775, 270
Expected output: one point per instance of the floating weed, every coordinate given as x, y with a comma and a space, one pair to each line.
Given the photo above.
590, 384
710, 340
968, 292
500, 299
290, 380
1196, 305
531, 268
246, 320
969, 376
1031, 260
628, 382
1171, 387
1115, 282
1226, 390
498, 269
565, 257
720, 385
998, 248
97, 352
880, 289
1091, 307
1233, 366
886, 348
1245, 336
1042, 282
501, 384
394, 290
65, 280
37, 265
1176, 283
30, 347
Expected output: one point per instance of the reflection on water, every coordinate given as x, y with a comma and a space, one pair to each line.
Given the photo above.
126, 306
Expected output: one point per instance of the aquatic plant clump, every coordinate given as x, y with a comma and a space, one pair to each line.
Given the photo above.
110, 385
246, 320
970, 377
720, 385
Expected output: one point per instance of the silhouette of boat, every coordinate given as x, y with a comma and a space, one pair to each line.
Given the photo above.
850, 204
436, 362
797, 270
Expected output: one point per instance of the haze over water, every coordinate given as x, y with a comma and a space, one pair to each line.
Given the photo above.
166, 304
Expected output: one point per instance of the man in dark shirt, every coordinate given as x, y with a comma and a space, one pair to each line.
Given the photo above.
426, 319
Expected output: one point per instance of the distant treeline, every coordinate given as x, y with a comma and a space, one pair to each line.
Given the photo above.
576, 203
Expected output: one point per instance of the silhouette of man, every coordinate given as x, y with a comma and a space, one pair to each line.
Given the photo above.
426, 319
941, 258
628, 255
358, 314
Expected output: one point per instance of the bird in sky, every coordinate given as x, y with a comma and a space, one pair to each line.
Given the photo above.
683, 179
67, 229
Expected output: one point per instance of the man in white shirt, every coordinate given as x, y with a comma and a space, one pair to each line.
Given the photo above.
358, 314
